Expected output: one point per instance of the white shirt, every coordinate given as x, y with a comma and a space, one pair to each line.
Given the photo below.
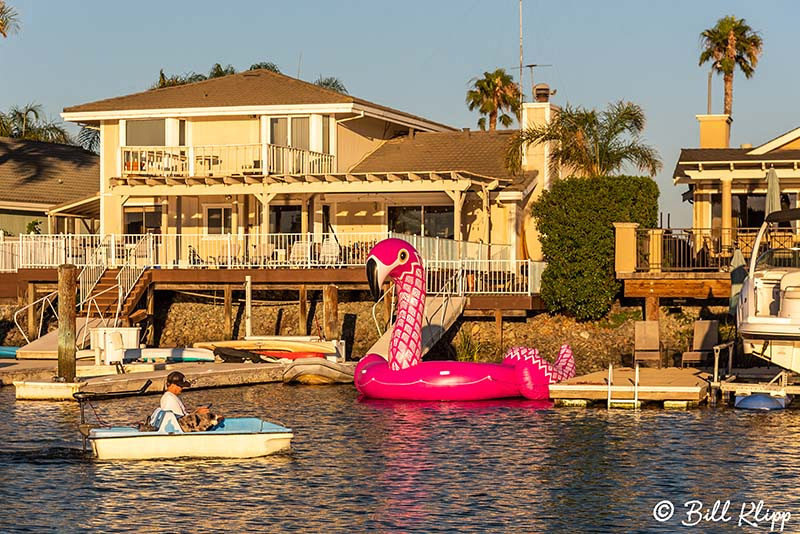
171, 402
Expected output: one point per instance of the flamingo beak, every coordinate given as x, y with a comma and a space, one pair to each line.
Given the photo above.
374, 278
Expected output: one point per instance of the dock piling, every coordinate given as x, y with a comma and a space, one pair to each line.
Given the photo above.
67, 280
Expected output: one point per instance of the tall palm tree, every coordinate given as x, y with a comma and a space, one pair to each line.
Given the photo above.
8, 20
591, 143
27, 122
492, 95
89, 139
333, 83
731, 43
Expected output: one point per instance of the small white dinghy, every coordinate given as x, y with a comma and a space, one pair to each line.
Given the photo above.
235, 437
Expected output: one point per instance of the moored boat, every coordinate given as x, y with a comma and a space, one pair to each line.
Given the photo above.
762, 401
318, 371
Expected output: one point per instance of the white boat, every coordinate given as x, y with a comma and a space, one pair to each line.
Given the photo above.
762, 401
235, 437
768, 312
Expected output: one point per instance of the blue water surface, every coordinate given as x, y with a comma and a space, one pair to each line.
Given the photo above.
502, 466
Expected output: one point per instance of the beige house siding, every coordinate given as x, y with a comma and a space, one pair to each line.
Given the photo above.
357, 138
224, 131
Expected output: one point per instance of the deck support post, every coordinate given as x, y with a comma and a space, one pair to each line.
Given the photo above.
228, 321
330, 311
67, 281
248, 306
651, 305
303, 315
498, 325
150, 306
32, 333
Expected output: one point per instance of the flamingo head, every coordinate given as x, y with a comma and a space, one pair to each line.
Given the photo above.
390, 258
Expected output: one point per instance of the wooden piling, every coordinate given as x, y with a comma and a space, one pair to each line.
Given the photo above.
227, 326
330, 312
498, 326
67, 279
302, 318
651, 305
151, 310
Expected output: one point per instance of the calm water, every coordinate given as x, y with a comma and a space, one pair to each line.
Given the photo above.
511, 466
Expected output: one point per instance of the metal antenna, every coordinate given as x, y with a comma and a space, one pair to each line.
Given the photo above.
531, 66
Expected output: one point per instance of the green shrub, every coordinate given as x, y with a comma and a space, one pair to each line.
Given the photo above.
575, 220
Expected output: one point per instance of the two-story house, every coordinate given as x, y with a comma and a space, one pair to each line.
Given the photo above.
258, 155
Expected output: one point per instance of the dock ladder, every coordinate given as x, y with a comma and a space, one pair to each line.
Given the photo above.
617, 402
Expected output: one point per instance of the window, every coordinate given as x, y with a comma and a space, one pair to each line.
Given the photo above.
218, 220
285, 220
326, 134
279, 131
151, 132
430, 221
142, 220
300, 133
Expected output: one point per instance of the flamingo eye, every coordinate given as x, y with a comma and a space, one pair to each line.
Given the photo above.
403, 256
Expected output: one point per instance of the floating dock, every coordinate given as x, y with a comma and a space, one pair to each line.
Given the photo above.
675, 387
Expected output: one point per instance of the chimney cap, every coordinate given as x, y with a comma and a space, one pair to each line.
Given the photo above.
542, 92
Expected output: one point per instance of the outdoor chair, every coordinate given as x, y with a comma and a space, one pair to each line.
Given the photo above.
705, 336
329, 253
299, 253
262, 254
195, 259
647, 342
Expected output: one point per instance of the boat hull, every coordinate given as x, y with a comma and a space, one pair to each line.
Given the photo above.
762, 401
231, 440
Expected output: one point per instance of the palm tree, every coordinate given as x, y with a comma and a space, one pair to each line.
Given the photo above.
89, 139
731, 43
218, 71
591, 143
27, 123
8, 20
333, 83
492, 95
266, 65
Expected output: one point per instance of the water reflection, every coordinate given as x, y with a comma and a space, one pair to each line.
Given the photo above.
495, 466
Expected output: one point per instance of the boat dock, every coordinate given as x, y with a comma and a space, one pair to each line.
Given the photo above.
674, 387
106, 379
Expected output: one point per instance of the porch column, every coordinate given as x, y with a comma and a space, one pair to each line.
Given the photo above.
235, 215
625, 247
171, 132
726, 213
263, 135
265, 199
458, 204
304, 214
487, 227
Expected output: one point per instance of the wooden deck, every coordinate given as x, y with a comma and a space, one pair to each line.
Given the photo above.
655, 385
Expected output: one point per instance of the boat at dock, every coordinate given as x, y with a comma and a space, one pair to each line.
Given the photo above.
762, 401
318, 371
768, 311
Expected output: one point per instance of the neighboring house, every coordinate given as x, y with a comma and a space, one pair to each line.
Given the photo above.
728, 186
37, 177
257, 154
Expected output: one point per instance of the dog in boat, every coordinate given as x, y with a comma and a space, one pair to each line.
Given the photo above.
199, 422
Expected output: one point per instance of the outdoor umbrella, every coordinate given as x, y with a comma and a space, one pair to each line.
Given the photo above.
773, 192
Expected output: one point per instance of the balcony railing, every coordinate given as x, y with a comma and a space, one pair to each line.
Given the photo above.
222, 160
699, 249
483, 269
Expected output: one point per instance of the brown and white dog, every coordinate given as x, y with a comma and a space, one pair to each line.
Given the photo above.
199, 422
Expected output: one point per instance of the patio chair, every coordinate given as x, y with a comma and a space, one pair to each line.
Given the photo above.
262, 254
195, 259
647, 342
329, 252
299, 252
705, 336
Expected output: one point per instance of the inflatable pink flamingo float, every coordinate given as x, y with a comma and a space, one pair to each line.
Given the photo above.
405, 376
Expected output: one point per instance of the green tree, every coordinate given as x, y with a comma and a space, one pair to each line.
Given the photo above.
590, 143
492, 95
731, 43
333, 83
28, 122
575, 219
218, 71
89, 139
266, 65
8, 20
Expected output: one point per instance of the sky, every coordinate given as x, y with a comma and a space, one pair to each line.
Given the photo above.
420, 56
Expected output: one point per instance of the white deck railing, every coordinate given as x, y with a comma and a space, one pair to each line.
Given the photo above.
222, 160
483, 269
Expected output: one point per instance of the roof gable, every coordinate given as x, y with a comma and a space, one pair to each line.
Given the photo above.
788, 141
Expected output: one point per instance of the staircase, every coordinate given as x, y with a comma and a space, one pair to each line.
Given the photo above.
440, 314
105, 295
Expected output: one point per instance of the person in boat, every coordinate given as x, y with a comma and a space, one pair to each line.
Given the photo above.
170, 400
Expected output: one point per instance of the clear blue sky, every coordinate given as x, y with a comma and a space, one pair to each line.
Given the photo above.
419, 56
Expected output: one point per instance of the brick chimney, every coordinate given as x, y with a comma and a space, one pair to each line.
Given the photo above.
715, 131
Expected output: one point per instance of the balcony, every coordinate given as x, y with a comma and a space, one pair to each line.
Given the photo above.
221, 160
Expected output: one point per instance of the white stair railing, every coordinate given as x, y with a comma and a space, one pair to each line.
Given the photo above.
139, 259
93, 271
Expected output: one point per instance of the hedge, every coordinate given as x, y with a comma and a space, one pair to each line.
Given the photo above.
575, 220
